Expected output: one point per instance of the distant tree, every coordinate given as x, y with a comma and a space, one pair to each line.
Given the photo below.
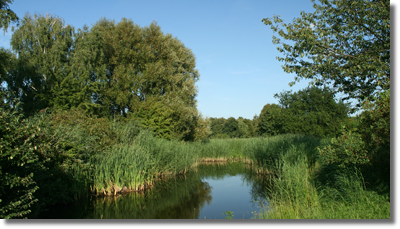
243, 128
256, 122
271, 121
217, 125
250, 127
231, 127
312, 111
343, 43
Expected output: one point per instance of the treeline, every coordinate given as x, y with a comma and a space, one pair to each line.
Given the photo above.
311, 111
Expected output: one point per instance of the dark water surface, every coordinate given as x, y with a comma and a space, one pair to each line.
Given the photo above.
203, 193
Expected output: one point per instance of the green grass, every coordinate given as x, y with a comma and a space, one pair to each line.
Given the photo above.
297, 193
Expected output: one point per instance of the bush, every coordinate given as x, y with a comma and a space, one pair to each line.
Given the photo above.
43, 158
18, 154
375, 131
366, 147
348, 149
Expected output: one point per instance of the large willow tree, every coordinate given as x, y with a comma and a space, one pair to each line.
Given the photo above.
112, 69
56, 66
150, 76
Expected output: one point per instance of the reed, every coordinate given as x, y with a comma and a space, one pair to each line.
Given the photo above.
297, 193
135, 164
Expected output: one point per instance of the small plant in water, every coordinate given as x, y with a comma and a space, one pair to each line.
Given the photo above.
228, 215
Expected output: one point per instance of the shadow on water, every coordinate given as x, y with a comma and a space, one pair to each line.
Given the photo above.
207, 191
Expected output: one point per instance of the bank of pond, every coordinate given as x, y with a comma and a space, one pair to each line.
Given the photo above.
285, 177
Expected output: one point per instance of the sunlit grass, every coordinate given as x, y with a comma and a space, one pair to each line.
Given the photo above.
295, 193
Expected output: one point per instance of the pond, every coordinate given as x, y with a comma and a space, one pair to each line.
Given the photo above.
205, 192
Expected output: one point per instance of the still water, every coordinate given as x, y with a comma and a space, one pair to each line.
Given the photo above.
203, 193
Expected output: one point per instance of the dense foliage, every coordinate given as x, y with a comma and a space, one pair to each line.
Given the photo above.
232, 128
311, 111
365, 146
111, 69
7, 16
17, 159
271, 120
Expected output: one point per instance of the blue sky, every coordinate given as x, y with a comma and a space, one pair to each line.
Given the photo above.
235, 56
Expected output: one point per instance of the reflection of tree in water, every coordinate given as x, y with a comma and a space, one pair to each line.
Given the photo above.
190, 207
176, 198
258, 182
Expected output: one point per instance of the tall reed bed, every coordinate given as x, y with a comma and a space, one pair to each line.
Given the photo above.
137, 162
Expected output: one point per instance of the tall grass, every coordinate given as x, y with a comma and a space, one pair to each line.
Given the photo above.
137, 162
297, 193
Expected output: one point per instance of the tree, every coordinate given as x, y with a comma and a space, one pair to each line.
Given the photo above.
7, 16
110, 69
6, 60
344, 43
250, 127
142, 66
243, 128
231, 127
271, 120
217, 125
312, 111
56, 66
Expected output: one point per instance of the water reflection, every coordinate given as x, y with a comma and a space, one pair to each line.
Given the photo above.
206, 192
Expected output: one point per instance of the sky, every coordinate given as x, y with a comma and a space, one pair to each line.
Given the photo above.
239, 72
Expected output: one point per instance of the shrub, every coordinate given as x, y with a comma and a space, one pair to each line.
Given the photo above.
345, 150
18, 154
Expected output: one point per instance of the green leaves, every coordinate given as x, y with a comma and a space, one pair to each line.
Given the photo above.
7, 16
17, 156
345, 151
271, 121
311, 111
110, 69
345, 44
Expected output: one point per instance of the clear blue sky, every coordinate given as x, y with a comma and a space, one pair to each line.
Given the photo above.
235, 56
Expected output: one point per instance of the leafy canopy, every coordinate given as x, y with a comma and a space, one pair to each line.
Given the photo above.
110, 69
7, 16
344, 43
312, 111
